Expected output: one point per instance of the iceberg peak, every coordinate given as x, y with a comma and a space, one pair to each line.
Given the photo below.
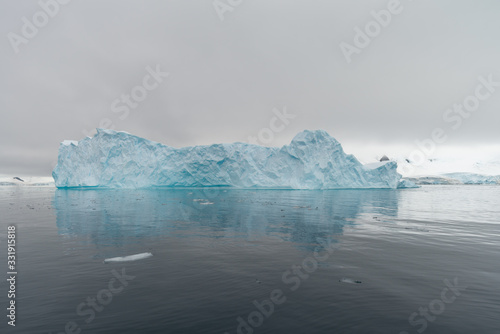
312, 137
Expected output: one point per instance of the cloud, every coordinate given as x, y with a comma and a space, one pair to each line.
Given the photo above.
227, 76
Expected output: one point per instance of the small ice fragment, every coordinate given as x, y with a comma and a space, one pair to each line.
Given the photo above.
349, 281
134, 257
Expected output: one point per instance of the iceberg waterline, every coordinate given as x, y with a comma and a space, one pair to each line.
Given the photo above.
313, 160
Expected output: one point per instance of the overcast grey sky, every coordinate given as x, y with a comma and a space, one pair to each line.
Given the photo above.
226, 76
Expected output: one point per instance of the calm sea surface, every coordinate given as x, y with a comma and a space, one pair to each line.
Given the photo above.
421, 260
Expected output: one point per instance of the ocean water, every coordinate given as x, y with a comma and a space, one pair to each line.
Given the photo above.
421, 260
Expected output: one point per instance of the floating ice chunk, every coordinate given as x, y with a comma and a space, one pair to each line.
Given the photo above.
128, 258
349, 281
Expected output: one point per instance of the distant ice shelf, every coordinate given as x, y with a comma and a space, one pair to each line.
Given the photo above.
457, 179
26, 181
313, 160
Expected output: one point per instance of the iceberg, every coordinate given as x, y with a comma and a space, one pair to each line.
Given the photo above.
313, 160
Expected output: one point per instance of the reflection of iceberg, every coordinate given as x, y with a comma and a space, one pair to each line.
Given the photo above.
120, 217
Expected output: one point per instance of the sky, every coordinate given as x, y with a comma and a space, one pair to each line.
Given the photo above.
382, 77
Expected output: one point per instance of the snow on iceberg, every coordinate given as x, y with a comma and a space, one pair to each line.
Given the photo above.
313, 160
